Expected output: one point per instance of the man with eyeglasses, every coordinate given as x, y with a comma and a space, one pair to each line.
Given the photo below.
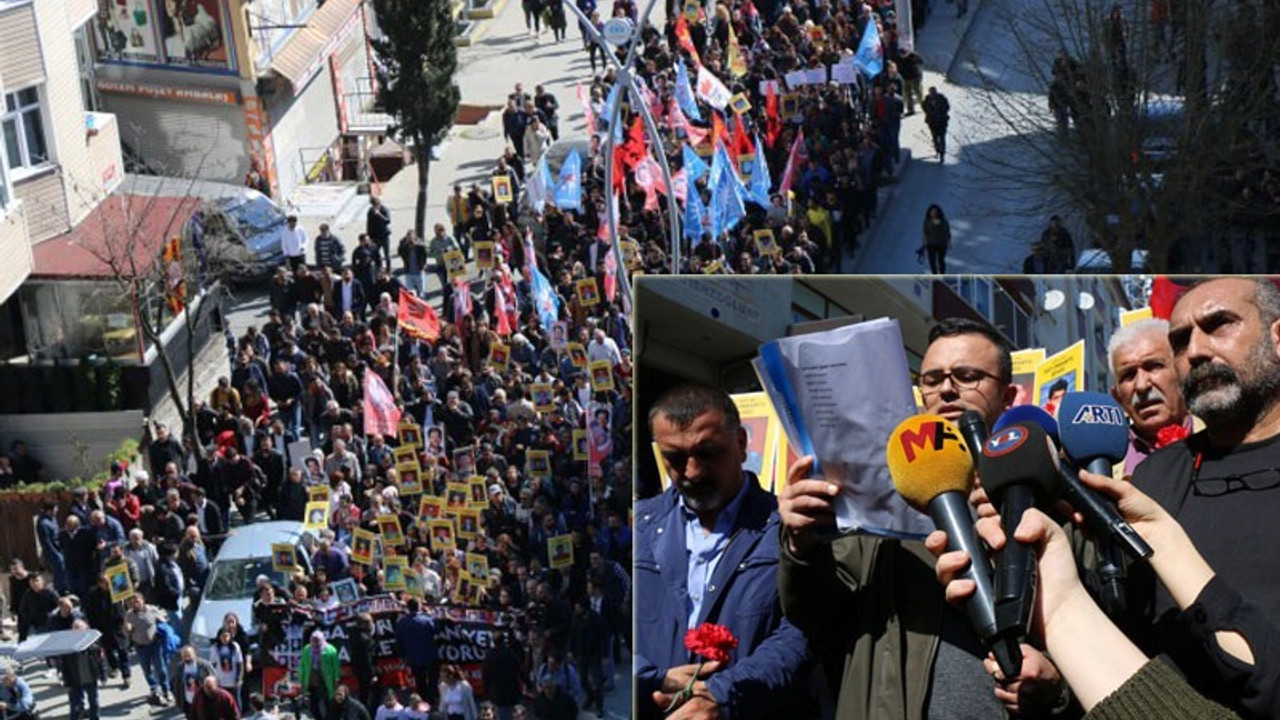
1223, 486
907, 654
706, 551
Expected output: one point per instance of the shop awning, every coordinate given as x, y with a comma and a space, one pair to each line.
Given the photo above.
327, 30
131, 229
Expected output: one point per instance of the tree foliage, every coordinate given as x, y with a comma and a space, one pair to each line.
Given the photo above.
420, 61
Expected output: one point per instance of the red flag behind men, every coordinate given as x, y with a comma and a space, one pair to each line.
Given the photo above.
381, 416
416, 317
772, 120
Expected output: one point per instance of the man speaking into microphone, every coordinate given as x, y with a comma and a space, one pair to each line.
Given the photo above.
907, 654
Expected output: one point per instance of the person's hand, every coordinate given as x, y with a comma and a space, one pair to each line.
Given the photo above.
806, 505
1146, 516
1038, 687
678, 677
700, 706
980, 502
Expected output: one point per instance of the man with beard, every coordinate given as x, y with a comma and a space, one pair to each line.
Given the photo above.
684, 550
1145, 383
1222, 485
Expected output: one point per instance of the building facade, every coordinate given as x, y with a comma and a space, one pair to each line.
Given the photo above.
266, 92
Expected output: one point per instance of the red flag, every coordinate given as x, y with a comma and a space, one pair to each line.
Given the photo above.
381, 416
619, 172
772, 121
505, 306
718, 132
795, 158
742, 144
585, 99
416, 317
686, 40
610, 274
1164, 293
633, 149
677, 119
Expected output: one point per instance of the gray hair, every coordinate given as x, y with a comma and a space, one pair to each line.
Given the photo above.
1130, 333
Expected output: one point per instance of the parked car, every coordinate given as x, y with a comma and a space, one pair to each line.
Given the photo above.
242, 233
244, 556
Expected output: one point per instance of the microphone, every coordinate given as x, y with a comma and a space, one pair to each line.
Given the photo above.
1018, 466
1028, 413
1095, 436
932, 470
974, 429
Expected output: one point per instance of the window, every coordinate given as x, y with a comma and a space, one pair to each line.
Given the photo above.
24, 141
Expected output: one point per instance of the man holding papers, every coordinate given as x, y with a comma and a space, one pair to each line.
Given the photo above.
871, 604
706, 551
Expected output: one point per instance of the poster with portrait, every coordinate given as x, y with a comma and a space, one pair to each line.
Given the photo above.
441, 533
1132, 316
345, 590
409, 434
468, 523
455, 265
430, 507
1059, 374
484, 255
544, 400
601, 375
126, 31
362, 546
587, 291
499, 356
410, 479
762, 428
318, 493
577, 354
502, 189
393, 570
478, 566
1024, 373
119, 582
766, 243
317, 516
599, 436
560, 550
405, 454
559, 334
413, 584
477, 493
457, 495
740, 104
580, 445
284, 557
539, 462
465, 590
389, 528
464, 461
435, 442
193, 33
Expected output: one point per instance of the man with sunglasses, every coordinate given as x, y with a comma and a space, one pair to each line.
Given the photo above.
1223, 486
871, 605
706, 551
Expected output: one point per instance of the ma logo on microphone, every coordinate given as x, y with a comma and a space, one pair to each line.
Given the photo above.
1005, 441
930, 435
1100, 415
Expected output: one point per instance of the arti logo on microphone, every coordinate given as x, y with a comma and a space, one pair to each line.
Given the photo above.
1100, 415
931, 435
1005, 441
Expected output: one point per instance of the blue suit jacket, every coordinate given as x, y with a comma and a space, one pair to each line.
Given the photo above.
767, 673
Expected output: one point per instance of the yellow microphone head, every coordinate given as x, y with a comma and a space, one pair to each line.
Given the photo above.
928, 456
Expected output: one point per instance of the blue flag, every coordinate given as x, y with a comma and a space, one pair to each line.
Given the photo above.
870, 56
694, 211
544, 299
727, 209
568, 192
684, 94
760, 180
694, 166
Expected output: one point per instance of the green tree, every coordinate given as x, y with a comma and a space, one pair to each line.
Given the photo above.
420, 58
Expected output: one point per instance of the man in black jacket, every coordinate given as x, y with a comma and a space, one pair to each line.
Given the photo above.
502, 676
361, 649
377, 225
164, 450
107, 618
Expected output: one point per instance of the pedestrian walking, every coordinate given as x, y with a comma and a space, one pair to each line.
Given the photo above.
937, 114
937, 238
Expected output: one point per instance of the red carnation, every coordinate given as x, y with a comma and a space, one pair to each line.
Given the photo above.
1170, 434
711, 641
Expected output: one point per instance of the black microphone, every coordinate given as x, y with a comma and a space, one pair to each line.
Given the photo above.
974, 430
1017, 468
1095, 435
